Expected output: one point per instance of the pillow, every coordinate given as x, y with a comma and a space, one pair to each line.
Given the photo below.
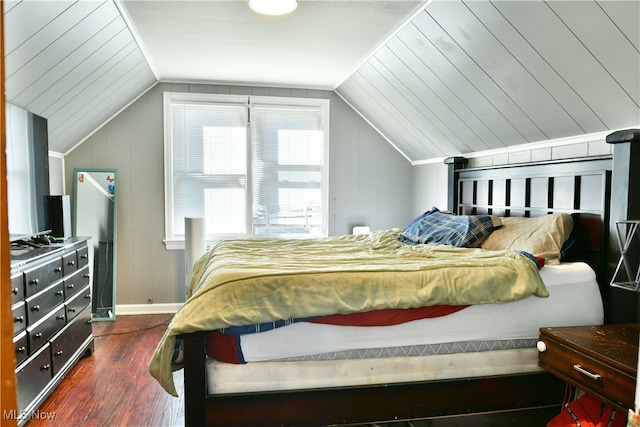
438, 228
542, 236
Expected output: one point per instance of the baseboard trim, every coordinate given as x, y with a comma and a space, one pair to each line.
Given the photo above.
131, 309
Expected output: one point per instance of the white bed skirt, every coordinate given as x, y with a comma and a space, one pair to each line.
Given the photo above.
224, 378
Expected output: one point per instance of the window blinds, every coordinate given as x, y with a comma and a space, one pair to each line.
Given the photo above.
209, 166
19, 171
248, 168
287, 160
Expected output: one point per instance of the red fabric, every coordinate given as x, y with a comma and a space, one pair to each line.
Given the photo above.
225, 348
388, 317
590, 412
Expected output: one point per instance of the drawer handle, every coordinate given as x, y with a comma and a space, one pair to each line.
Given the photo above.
71, 263
38, 335
70, 286
21, 349
58, 353
59, 293
35, 308
57, 269
18, 319
60, 317
84, 256
34, 281
15, 291
590, 374
71, 309
86, 275
87, 296
45, 367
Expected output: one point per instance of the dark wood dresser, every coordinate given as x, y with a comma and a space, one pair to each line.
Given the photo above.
601, 360
51, 307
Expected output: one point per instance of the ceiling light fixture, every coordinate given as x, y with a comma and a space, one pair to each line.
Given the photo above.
273, 7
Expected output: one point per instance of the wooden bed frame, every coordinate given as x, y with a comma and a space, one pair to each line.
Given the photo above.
581, 187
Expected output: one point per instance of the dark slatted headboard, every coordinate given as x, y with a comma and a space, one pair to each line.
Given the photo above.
580, 187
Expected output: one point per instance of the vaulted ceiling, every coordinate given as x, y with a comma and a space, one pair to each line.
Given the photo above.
75, 63
477, 75
436, 78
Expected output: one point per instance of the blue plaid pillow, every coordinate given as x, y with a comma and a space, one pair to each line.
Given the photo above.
437, 228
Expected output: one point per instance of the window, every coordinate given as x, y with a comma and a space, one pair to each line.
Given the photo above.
20, 167
251, 166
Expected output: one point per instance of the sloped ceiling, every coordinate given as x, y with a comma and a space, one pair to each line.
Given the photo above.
468, 76
460, 77
75, 63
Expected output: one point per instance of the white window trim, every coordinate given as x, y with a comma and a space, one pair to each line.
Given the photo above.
248, 100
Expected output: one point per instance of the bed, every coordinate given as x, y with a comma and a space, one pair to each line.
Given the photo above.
316, 382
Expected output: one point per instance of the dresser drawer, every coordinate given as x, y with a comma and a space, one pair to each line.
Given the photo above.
38, 278
598, 377
20, 344
69, 262
83, 256
19, 311
66, 342
42, 331
74, 283
17, 287
41, 304
33, 376
76, 304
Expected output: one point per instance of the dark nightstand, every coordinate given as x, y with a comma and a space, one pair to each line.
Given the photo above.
601, 360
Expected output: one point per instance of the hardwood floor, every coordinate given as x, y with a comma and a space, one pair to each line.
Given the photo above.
113, 387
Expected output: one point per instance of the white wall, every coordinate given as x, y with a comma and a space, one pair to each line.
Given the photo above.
56, 175
369, 183
430, 187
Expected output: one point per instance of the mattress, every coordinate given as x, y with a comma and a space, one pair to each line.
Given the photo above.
480, 340
574, 299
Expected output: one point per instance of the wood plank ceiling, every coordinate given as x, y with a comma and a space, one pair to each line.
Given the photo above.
460, 77
468, 76
75, 63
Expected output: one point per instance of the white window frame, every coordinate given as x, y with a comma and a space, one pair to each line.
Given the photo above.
173, 242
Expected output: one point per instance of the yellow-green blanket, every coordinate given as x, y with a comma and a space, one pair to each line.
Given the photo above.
251, 281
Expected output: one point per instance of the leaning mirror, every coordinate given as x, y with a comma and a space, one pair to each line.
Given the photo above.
94, 195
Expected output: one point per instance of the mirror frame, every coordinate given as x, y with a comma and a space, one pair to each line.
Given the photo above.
113, 172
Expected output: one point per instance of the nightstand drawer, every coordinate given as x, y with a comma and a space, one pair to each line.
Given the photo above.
610, 382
